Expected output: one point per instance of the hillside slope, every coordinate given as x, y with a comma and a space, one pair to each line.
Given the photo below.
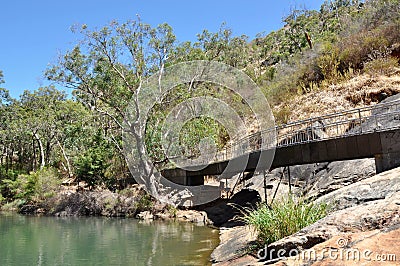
360, 91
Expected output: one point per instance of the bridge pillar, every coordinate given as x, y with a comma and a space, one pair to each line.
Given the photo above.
390, 156
387, 161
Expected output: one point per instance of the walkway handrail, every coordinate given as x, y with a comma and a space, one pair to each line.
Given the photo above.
340, 124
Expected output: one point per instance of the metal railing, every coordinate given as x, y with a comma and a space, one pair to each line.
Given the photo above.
380, 117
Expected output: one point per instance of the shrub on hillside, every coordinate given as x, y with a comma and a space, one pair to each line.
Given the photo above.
382, 65
357, 48
348, 34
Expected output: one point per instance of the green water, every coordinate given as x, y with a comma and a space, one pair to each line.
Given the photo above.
27, 240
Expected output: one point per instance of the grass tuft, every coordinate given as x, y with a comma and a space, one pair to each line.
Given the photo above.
285, 217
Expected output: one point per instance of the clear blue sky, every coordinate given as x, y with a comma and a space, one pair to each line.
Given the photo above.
34, 32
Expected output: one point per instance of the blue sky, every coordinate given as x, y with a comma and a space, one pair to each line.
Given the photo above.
34, 32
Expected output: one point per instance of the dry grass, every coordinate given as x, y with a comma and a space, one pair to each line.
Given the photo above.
359, 91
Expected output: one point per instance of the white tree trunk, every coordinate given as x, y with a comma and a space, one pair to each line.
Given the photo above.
42, 162
66, 159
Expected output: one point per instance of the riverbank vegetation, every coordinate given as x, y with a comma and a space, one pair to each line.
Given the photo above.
50, 139
282, 218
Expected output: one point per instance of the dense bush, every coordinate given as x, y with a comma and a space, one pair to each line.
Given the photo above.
345, 35
91, 167
381, 66
34, 186
7, 175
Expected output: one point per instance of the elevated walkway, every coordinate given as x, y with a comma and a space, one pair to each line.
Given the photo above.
370, 132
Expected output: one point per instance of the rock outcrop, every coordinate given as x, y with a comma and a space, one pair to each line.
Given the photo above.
235, 238
380, 187
315, 180
235, 243
332, 176
375, 247
197, 217
365, 214
367, 209
127, 203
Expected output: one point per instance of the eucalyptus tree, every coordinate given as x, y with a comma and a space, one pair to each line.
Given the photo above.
38, 118
6, 149
41, 128
106, 71
5, 100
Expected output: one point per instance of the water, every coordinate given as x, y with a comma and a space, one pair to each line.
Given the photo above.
27, 240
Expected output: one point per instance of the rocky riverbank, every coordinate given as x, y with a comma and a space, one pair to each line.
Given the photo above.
132, 202
366, 208
365, 218
135, 202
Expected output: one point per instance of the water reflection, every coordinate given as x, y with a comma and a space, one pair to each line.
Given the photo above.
101, 241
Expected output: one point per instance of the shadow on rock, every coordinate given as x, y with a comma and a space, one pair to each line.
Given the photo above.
223, 212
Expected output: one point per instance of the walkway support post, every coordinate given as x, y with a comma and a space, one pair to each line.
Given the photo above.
265, 187
290, 183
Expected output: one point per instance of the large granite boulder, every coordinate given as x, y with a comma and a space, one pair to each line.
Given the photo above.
314, 180
375, 247
379, 187
234, 244
368, 205
337, 175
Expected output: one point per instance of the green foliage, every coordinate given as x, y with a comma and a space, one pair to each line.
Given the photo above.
356, 50
285, 83
285, 217
2, 199
196, 129
9, 183
34, 186
328, 62
345, 35
282, 115
222, 46
5, 97
38, 129
373, 29
13, 205
172, 210
144, 203
47, 183
23, 187
91, 166
9, 173
199, 129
